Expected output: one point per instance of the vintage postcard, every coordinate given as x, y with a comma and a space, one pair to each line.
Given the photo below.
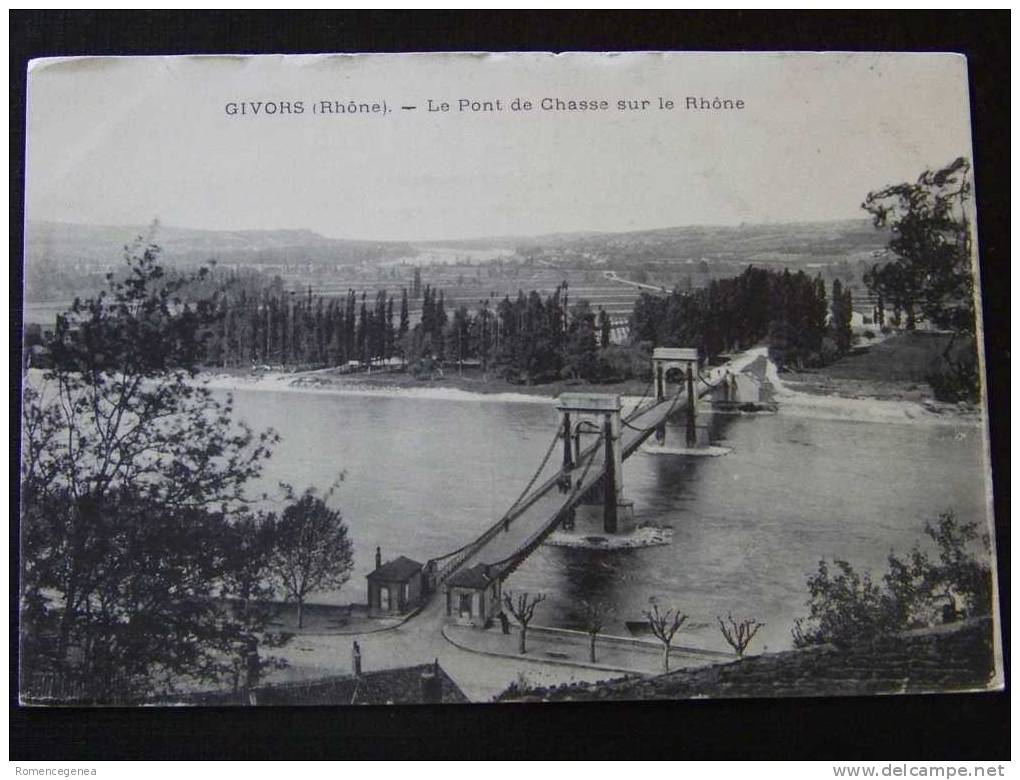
374, 379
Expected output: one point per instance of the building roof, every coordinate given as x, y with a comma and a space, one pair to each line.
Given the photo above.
675, 353
398, 570
474, 577
385, 686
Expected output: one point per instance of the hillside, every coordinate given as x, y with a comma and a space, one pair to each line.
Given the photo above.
92, 247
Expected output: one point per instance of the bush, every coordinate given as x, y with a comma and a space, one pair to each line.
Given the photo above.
846, 606
617, 363
829, 352
954, 376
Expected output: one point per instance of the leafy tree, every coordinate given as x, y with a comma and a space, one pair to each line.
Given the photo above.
931, 246
313, 550
128, 470
842, 313
738, 635
664, 627
605, 329
522, 607
844, 607
364, 325
582, 360
249, 592
405, 324
931, 272
920, 587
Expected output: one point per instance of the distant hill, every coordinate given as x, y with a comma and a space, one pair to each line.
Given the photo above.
792, 244
66, 259
96, 247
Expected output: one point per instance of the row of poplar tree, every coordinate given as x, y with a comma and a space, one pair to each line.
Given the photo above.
529, 338
274, 326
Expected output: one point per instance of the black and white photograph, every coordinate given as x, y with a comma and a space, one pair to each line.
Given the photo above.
387, 379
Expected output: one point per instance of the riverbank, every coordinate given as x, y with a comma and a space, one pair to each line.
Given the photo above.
883, 382
880, 383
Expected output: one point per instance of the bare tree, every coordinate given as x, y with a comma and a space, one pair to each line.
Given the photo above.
594, 621
665, 625
522, 607
738, 635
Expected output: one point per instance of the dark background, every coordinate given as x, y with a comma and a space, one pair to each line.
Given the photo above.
892, 727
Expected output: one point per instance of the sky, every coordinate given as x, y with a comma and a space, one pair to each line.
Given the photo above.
122, 141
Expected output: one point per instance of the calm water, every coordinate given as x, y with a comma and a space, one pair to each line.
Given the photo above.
424, 476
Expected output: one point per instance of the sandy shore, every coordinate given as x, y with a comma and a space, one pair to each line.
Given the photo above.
305, 383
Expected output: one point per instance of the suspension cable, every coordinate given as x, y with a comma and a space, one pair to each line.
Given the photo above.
503, 519
522, 553
531, 482
672, 406
637, 407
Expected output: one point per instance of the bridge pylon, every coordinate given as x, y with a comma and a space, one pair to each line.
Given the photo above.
685, 361
595, 413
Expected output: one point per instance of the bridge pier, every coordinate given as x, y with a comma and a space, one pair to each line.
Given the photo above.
685, 361
601, 413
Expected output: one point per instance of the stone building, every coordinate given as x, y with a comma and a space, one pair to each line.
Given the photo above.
473, 596
395, 587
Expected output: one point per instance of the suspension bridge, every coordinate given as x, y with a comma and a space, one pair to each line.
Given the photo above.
593, 439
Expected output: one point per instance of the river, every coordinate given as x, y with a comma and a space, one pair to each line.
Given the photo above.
423, 476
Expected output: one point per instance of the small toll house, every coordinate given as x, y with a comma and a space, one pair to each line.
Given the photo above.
473, 596
395, 586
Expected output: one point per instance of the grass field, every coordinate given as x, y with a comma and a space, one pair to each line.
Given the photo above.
894, 368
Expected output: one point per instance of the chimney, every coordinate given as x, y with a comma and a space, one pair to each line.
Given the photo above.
431, 685
378, 557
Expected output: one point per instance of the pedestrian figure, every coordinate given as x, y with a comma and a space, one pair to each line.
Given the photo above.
356, 658
253, 664
504, 622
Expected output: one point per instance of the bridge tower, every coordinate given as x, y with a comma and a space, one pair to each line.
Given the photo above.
685, 360
596, 413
